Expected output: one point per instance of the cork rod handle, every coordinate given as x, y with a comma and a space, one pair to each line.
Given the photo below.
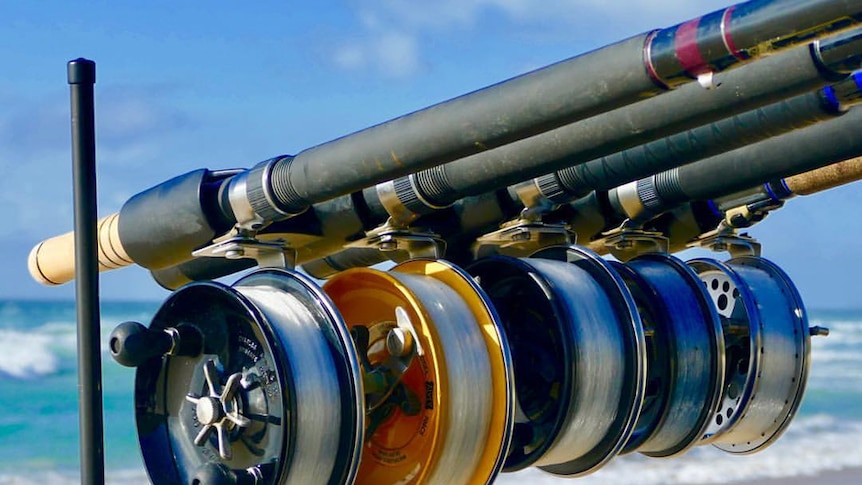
826, 178
52, 261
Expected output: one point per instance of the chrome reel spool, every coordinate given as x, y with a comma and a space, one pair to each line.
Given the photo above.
685, 349
579, 357
768, 345
439, 370
273, 395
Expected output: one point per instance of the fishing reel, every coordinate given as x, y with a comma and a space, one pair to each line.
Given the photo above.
767, 342
270, 393
427, 373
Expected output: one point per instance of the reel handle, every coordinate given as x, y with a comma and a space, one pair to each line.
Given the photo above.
132, 344
52, 261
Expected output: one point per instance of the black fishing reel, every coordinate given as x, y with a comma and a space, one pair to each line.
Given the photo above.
685, 355
579, 357
271, 393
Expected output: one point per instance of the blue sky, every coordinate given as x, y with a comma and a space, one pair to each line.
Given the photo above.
185, 85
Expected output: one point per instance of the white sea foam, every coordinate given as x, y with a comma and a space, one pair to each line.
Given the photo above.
44, 349
36, 352
811, 445
836, 360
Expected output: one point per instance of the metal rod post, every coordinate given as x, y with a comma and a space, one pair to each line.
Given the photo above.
82, 77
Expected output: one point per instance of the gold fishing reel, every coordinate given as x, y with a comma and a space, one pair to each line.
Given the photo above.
447, 417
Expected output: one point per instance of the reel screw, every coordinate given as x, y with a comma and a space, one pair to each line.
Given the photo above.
234, 254
399, 342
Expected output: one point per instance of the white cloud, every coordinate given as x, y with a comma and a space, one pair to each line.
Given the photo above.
398, 52
351, 56
443, 14
395, 54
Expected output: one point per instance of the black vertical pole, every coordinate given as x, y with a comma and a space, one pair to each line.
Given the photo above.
82, 77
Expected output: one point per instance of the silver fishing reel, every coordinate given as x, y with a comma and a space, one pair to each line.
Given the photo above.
578, 353
270, 394
767, 343
685, 355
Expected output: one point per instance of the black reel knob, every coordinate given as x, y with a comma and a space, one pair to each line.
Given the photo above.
132, 344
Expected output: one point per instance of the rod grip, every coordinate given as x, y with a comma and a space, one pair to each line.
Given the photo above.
826, 178
52, 261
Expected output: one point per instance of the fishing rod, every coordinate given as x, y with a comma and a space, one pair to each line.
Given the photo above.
640, 202
692, 222
701, 142
474, 216
162, 226
782, 156
793, 153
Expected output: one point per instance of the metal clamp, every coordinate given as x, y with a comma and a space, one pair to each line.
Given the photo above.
522, 238
394, 240
240, 244
629, 241
725, 238
749, 214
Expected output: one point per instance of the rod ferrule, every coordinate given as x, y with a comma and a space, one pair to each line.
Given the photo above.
840, 55
253, 197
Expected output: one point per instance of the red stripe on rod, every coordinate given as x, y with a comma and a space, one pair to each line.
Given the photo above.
687, 50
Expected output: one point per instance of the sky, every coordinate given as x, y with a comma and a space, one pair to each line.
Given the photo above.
185, 85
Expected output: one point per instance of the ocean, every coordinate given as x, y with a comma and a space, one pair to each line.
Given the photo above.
39, 424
